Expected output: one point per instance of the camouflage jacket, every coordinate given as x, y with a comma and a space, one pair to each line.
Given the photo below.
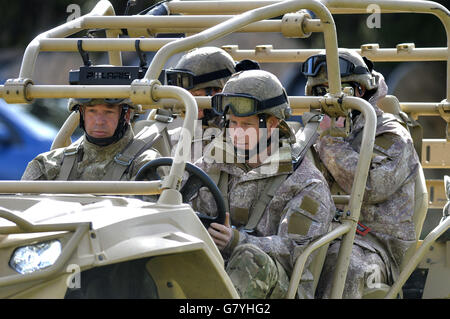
299, 210
388, 203
95, 163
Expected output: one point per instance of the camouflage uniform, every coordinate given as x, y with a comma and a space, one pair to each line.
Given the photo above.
260, 263
95, 163
388, 203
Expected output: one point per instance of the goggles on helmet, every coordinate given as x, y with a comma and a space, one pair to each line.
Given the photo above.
321, 90
243, 104
188, 80
92, 102
313, 64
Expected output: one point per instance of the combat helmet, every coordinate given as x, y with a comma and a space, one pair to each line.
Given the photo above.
253, 92
353, 68
202, 68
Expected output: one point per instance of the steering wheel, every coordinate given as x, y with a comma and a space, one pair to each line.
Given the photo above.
197, 179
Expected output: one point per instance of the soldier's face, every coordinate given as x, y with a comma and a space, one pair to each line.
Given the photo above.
100, 121
245, 132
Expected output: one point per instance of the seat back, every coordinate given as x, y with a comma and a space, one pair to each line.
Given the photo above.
420, 211
389, 104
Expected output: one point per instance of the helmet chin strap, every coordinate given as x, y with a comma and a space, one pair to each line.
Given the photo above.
120, 131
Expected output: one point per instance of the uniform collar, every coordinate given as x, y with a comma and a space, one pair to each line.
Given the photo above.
112, 148
222, 153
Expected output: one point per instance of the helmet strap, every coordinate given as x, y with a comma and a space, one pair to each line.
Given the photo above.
258, 148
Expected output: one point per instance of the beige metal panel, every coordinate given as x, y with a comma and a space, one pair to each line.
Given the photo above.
183, 281
420, 253
81, 187
435, 153
436, 193
436, 261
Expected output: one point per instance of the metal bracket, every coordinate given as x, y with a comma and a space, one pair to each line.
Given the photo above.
141, 91
332, 106
405, 47
15, 91
292, 24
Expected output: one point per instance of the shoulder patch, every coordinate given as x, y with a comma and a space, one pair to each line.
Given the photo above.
384, 142
309, 205
240, 215
299, 224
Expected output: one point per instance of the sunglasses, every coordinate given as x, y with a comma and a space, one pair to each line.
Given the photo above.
313, 64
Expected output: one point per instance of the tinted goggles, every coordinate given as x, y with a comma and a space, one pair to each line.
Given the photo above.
187, 79
244, 104
313, 64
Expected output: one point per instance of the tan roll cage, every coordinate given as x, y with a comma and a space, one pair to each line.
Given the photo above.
150, 93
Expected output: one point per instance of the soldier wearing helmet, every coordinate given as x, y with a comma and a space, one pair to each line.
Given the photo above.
275, 208
204, 72
108, 150
386, 228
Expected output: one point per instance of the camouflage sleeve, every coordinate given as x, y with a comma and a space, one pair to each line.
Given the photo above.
33, 171
45, 166
388, 169
305, 217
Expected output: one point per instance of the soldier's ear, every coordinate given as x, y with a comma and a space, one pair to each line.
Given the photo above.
272, 122
128, 116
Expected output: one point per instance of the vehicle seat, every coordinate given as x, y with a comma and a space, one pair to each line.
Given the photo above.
420, 212
390, 104
162, 145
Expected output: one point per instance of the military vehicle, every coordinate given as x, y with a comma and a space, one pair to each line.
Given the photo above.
82, 239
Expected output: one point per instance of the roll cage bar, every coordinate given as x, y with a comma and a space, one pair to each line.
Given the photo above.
252, 17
